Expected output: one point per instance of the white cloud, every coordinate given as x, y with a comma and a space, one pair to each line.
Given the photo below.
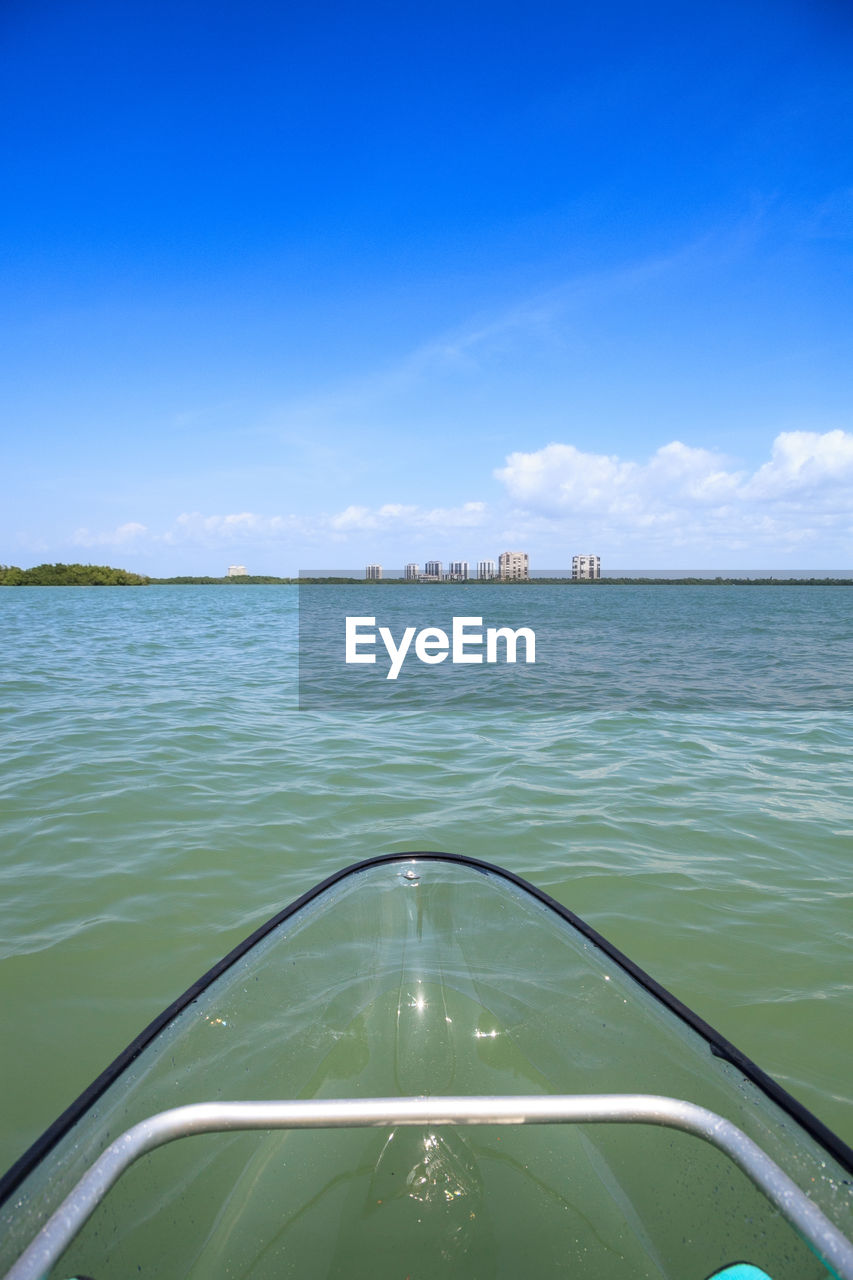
804, 462
561, 477
684, 496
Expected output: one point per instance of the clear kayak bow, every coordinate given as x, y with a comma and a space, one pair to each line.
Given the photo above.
454, 1071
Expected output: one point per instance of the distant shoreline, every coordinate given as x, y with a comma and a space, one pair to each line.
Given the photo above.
576, 582
121, 578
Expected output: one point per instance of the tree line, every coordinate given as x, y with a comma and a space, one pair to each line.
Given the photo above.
69, 575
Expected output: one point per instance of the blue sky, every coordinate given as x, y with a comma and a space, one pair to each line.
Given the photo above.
311, 285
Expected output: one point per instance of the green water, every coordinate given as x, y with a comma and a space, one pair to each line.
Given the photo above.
161, 795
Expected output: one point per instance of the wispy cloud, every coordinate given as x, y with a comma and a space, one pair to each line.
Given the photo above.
544, 319
393, 515
194, 528
123, 535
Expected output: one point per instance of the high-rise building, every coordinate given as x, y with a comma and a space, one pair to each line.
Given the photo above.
487, 569
586, 567
373, 572
432, 569
413, 572
458, 571
514, 565
237, 571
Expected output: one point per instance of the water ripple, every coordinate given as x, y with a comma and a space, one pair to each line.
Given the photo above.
162, 795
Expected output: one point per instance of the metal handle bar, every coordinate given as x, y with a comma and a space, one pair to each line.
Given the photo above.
210, 1117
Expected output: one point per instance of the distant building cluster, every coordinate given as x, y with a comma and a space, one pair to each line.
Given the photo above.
512, 566
236, 571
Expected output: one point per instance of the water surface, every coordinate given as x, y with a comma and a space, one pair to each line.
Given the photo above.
162, 794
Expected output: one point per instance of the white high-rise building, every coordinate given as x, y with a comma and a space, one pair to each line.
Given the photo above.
237, 571
413, 572
432, 569
514, 565
586, 567
487, 569
458, 571
373, 572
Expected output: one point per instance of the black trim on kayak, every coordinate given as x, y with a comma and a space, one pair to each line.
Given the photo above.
718, 1044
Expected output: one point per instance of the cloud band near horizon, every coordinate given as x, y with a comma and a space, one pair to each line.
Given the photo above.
682, 498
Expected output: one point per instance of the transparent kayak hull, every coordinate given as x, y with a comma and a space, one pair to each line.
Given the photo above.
414, 977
